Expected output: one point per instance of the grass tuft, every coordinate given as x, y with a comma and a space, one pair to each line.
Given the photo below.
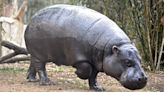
12, 70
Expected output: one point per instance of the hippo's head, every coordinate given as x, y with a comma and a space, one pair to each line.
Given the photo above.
125, 65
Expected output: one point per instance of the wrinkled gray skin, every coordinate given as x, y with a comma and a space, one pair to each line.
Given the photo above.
85, 39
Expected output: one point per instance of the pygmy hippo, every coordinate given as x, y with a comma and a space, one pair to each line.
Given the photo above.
86, 40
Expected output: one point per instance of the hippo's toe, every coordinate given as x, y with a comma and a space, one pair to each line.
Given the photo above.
46, 81
97, 88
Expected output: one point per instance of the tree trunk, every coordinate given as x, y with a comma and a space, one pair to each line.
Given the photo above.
160, 55
1, 8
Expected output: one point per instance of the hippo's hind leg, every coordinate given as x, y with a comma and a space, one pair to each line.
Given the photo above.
40, 68
31, 75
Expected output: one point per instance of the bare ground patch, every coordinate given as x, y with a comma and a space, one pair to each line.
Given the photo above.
13, 79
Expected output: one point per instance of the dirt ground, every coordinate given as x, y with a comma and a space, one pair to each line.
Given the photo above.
13, 79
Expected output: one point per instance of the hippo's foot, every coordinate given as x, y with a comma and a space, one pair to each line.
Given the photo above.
46, 81
97, 88
32, 80
93, 83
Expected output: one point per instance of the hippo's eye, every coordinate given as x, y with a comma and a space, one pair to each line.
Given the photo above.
128, 63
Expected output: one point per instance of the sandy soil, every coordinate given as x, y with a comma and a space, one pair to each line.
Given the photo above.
13, 79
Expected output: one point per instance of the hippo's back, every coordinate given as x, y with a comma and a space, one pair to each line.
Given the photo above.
76, 20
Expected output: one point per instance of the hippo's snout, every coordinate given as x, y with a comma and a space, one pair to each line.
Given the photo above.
134, 82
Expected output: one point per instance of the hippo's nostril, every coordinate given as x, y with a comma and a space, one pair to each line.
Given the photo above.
145, 78
142, 79
142, 74
139, 79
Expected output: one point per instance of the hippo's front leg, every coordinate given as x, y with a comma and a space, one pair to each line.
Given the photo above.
85, 70
93, 82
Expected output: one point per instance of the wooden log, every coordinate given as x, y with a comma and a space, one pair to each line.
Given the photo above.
10, 58
16, 59
7, 56
17, 49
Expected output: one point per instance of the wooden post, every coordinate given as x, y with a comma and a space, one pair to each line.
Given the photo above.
1, 8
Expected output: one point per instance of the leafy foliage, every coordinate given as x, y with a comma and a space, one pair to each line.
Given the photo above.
142, 20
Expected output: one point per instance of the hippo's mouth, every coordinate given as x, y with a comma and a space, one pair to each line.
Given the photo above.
133, 85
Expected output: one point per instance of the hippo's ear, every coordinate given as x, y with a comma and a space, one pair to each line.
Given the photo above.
115, 49
133, 43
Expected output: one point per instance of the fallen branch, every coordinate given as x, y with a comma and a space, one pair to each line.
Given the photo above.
16, 59
7, 56
17, 49
10, 58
